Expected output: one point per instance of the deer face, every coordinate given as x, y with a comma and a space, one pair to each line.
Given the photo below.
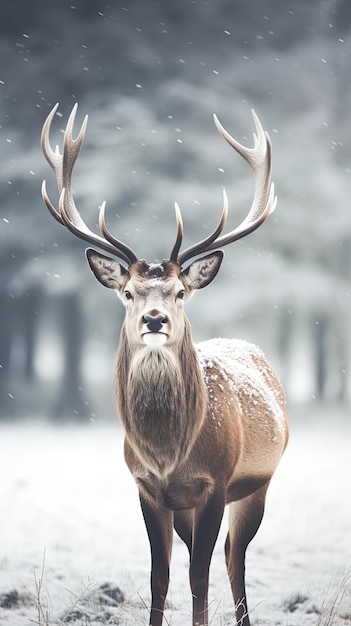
154, 295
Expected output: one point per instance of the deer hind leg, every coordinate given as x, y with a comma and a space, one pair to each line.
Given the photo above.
245, 517
159, 525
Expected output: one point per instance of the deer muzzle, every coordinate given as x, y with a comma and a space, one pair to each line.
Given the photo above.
154, 330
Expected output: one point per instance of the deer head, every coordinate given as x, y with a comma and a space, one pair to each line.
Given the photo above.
154, 294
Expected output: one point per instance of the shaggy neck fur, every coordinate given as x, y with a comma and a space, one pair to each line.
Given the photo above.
161, 400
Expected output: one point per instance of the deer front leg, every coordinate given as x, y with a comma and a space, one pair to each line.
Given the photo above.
159, 525
207, 521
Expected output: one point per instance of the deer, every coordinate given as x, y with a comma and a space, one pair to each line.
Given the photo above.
205, 425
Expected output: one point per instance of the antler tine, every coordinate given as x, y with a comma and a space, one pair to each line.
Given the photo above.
63, 165
179, 239
260, 160
49, 204
205, 244
124, 250
83, 232
52, 157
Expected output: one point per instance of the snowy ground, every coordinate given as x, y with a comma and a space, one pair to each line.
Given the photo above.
65, 492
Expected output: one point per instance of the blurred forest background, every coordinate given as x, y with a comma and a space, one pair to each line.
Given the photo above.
150, 74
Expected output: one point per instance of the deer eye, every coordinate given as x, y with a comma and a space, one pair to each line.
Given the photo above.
181, 294
127, 295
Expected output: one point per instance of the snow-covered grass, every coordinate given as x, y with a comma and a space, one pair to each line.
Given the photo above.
72, 536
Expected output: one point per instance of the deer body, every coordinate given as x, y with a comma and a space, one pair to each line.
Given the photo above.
235, 376
205, 425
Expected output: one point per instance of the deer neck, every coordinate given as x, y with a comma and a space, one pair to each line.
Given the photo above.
161, 400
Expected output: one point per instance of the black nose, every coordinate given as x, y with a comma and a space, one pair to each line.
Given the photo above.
154, 322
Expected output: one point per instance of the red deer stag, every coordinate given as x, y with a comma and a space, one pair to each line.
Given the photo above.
205, 424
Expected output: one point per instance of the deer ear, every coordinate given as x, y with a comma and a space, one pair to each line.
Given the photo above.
202, 271
109, 272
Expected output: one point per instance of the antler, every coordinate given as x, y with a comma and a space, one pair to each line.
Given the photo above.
264, 202
67, 213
